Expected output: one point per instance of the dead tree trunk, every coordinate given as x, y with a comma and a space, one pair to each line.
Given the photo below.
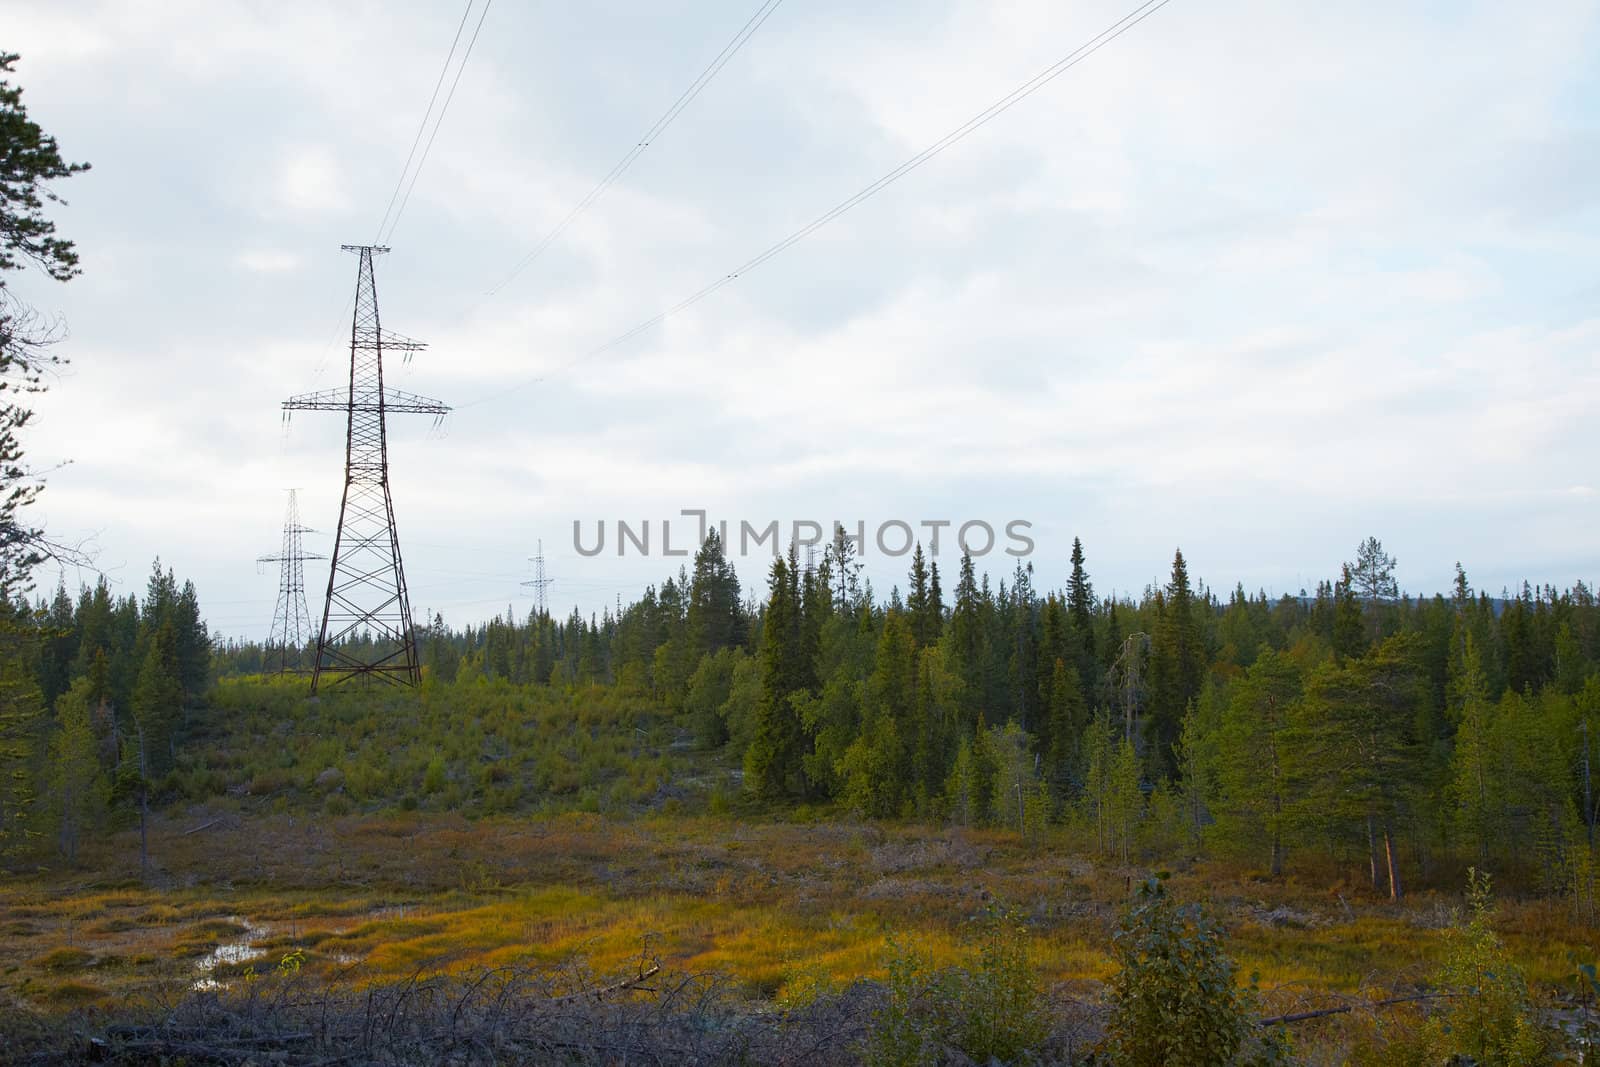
1372, 853
1396, 890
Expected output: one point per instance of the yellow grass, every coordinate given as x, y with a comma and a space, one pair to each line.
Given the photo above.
783, 909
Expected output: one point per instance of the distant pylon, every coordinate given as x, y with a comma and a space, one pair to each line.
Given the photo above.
540, 583
366, 619
291, 622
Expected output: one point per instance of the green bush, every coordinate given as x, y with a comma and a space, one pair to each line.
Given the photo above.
1492, 1020
997, 1005
1174, 996
991, 1010
900, 1035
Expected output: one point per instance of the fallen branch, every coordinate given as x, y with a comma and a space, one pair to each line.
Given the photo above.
1300, 1017
614, 987
203, 826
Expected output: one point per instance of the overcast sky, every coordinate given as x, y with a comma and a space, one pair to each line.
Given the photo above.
1258, 279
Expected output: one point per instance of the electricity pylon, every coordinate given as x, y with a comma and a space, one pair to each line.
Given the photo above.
540, 583
291, 622
366, 619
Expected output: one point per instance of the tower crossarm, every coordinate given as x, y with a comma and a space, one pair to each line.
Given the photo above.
399, 342
394, 400
291, 557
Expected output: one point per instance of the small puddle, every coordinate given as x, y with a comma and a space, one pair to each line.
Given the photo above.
240, 950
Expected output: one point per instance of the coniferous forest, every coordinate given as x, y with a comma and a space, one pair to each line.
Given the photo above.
1351, 756
1356, 725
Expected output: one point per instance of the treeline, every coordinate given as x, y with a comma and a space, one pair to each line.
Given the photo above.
95, 696
1354, 722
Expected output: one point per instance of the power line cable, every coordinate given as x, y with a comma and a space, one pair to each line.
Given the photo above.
445, 107
685, 98
322, 359
423, 125
982, 118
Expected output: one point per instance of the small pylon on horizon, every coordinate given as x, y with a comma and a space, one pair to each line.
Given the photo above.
291, 622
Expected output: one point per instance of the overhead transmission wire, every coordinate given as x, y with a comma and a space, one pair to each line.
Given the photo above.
443, 108
426, 115
444, 69
982, 118
686, 98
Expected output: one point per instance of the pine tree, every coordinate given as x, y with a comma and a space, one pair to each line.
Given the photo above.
1100, 754
1124, 797
29, 160
1199, 761
22, 716
842, 564
1354, 759
1255, 806
1014, 781
1372, 576
1476, 787
78, 786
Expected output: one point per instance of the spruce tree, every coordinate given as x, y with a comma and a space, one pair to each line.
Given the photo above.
1177, 663
1080, 609
1348, 636
713, 618
773, 763
1067, 720
158, 698
917, 596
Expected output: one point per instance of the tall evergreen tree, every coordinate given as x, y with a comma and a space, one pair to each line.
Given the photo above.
78, 786
29, 161
773, 763
714, 617
917, 596
1177, 664
1372, 576
22, 716
1355, 759
1253, 766
1080, 609
158, 698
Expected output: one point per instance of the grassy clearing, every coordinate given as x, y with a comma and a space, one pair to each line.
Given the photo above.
782, 908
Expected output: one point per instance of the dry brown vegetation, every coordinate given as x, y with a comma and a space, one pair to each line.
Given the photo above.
775, 916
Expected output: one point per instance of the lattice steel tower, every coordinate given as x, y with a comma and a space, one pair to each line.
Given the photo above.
540, 583
291, 622
366, 620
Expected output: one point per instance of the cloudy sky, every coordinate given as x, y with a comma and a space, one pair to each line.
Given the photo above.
1258, 279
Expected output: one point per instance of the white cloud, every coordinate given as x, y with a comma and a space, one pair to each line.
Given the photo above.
1257, 279
309, 180
267, 261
